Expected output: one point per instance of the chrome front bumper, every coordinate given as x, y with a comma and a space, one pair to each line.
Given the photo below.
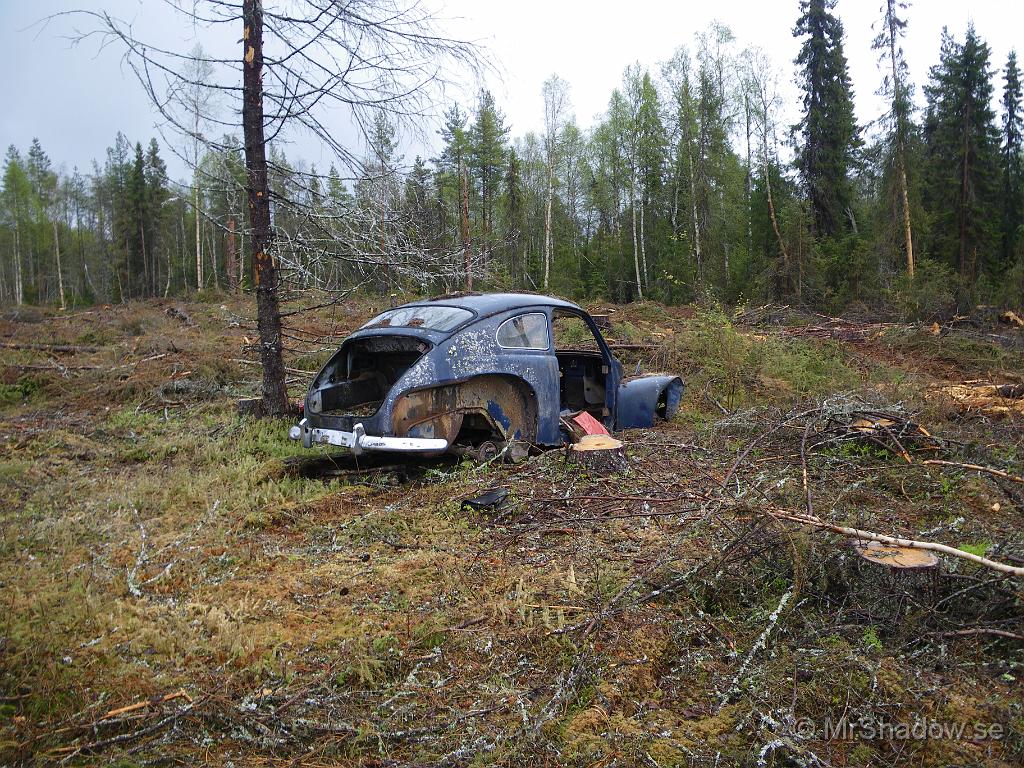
358, 441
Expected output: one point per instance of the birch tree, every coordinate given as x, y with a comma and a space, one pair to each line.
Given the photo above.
556, 104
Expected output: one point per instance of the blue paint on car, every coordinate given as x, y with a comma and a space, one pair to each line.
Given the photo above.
398, 355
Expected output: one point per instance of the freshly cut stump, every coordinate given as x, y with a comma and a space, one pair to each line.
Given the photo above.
895, 580
902, 558
602, 454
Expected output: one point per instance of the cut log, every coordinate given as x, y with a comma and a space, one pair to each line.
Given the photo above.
598, 453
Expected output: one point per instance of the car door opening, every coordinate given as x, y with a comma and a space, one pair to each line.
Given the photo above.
582, 367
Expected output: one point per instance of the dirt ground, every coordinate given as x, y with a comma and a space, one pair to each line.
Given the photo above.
185, 586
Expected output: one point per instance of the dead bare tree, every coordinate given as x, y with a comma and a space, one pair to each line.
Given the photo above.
356, 59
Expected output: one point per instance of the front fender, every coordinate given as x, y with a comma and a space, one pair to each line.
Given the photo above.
643, 398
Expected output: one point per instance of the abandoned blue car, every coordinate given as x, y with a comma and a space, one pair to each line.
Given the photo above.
476, 373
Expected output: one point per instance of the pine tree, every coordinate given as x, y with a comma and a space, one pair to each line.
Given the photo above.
454, 155
118, 214
42, 182
828, 136
1013, 171
417, 209
899, 118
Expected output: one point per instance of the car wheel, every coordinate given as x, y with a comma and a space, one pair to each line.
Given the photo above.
486, 451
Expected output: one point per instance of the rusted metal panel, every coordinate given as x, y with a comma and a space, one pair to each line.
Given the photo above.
438, 411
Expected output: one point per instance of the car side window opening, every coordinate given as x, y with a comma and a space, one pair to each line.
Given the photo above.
528, 331
582, 368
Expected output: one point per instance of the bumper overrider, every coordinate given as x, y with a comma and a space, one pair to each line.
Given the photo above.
358, 441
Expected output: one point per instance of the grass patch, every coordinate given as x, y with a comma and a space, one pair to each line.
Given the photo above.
739, 369
979, 548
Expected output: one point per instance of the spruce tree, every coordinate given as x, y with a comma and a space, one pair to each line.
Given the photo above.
486, 149
962, 144
1013, 172
827, 133
133, 234
156, 196
513, 215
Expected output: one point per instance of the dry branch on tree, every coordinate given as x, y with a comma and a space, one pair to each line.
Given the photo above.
362, 59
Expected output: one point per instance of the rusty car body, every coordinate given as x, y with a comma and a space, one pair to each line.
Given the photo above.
474, 373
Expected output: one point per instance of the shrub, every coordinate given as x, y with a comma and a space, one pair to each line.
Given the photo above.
930, 295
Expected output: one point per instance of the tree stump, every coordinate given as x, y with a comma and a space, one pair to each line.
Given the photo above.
899, 558
894, 580
602, 454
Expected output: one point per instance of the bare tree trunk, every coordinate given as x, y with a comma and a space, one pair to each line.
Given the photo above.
696, 220
467, 254
146, 281
199, 243
268, 316
907, 236
231, 263
547, 225
643, 246
212, 250
774, 219
170, 266
749, 181
19, 287
901, 150
129, 276
675, 197
636, 249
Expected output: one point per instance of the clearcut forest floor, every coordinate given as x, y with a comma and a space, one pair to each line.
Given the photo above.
179, 588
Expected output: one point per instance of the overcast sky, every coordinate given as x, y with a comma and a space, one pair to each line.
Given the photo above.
75, 99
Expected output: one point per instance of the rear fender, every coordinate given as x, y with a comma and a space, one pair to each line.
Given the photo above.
506, 403
643, 399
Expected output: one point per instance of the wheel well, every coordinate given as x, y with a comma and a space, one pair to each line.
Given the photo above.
488, 405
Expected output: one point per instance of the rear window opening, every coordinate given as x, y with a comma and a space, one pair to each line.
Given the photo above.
359, 377
434, 318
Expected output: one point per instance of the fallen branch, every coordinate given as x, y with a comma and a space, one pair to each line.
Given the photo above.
976, 468
125, 738
760, 643
69, 349
983, 631
179, 694
53, 366
857, 533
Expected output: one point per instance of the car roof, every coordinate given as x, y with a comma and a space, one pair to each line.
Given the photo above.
489, 303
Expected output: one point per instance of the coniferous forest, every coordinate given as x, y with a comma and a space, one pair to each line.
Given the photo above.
689, 186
